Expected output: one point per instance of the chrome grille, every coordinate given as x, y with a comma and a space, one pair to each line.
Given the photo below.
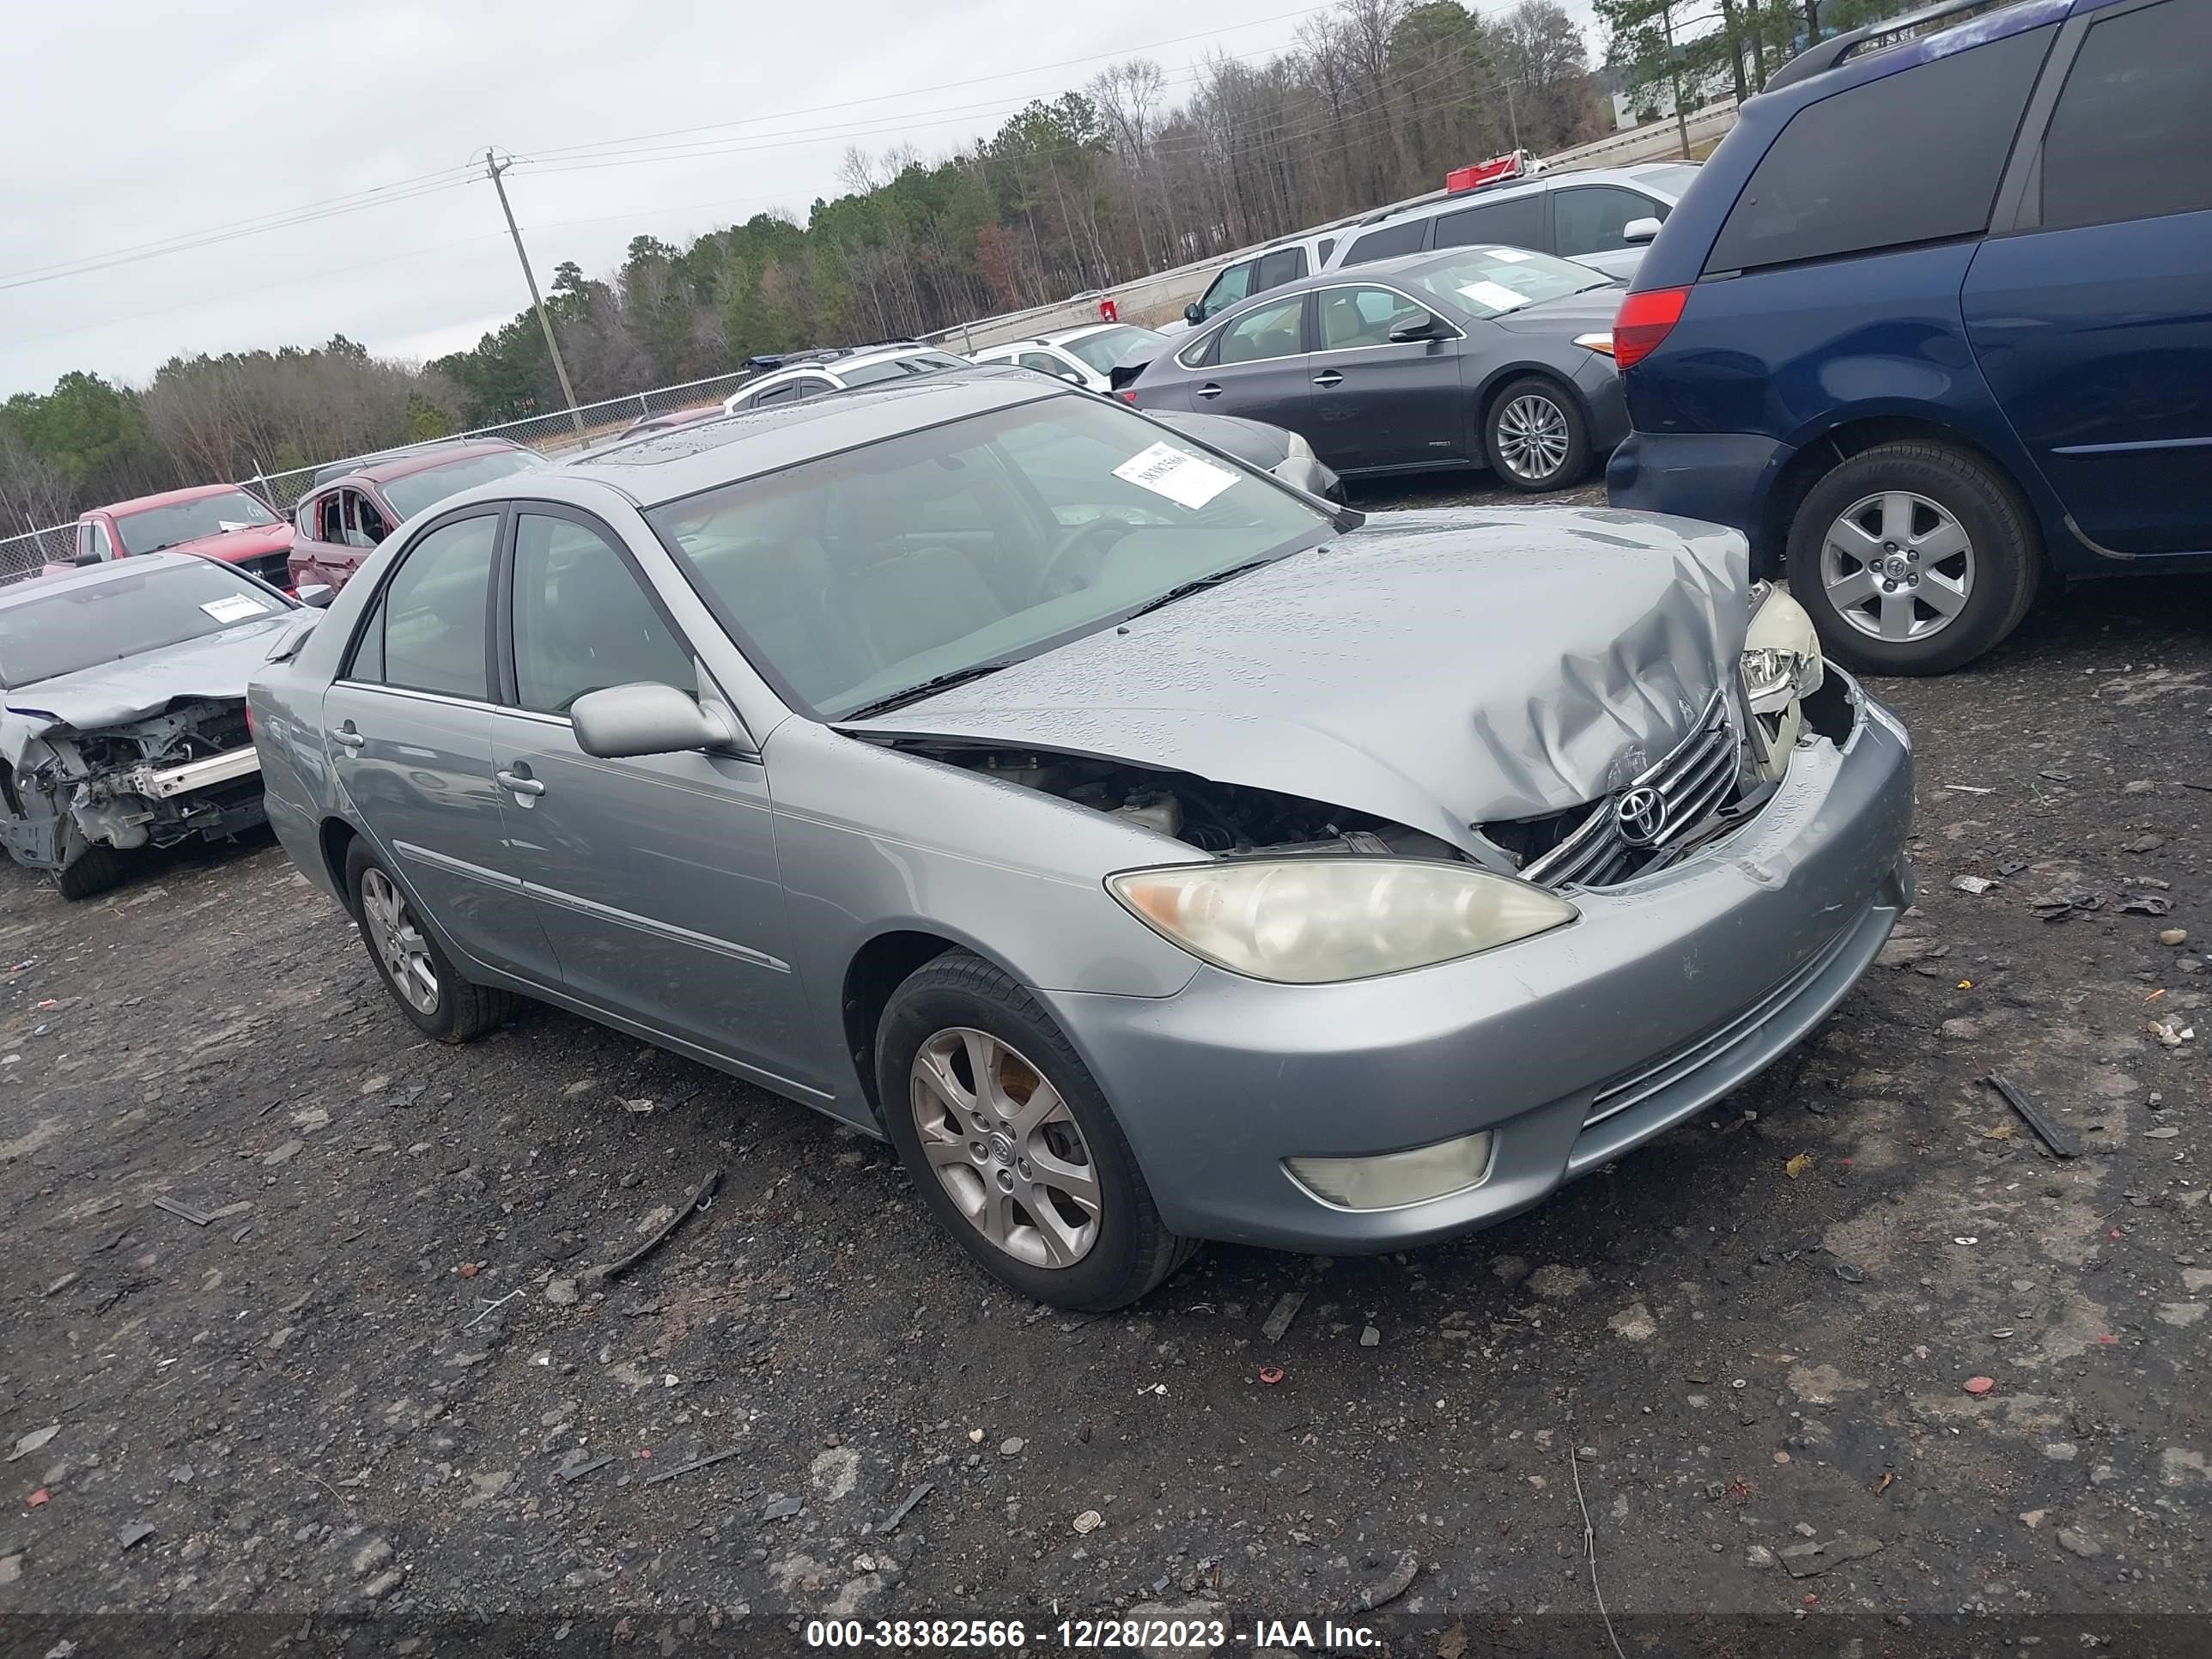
1695, 778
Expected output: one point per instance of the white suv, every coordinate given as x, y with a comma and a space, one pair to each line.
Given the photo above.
1602, 217
812, 374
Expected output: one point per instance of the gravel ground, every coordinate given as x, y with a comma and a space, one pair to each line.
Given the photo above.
369, 1382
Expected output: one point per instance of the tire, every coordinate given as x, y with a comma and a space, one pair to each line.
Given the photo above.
1950, 536
95, 868
1536, 436
455, 1009
1093, 1261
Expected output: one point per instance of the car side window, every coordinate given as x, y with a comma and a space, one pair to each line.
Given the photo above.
103, 544
1517, 222
1363, 316
582, 623
1589, 218
1912, 157
330, 518
1384, 244
357, 519
1272, 270
1264, 333
425, 631
1043, 363
1232, 285
2133, 107
84, 539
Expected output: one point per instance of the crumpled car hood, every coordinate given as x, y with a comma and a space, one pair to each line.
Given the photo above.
114, 693
1442, 669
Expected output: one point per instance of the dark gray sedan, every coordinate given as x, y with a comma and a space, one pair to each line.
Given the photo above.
1476, 356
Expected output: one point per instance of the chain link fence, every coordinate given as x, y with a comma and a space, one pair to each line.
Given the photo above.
554, 435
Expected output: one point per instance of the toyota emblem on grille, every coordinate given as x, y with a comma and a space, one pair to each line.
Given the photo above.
1641, 815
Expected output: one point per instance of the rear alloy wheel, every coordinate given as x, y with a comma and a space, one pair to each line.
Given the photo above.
1536, 436
1912, 558
422, 979
1011, 1144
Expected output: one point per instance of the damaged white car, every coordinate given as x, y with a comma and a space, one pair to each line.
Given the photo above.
124, 725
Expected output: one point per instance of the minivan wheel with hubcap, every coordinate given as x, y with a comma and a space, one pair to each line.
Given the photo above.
1912, 558
1536, 436
429, 990
1011, 1144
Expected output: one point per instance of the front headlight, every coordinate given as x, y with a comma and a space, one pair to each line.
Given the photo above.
1316, 920
1780, 652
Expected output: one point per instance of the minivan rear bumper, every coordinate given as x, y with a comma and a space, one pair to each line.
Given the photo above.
1724, 477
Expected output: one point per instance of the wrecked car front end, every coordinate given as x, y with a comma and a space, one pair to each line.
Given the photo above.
187, 772
1497, 844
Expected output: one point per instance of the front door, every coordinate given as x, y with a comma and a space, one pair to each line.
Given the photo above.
1258, 368
2093, 324
1379, 402
656, 877
407, 725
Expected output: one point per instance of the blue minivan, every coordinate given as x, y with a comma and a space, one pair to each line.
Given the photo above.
1935, 322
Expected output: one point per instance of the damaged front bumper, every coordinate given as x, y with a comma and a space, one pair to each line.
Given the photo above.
1673, 988
150, 783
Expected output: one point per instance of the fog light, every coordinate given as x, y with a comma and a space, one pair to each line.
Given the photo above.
1395, 1180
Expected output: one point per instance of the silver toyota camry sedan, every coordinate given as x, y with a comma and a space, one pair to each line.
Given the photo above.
1150, 852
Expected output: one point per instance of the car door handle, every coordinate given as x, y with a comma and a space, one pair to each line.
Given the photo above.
520, 782
1329, 377
347, 737
1209, 389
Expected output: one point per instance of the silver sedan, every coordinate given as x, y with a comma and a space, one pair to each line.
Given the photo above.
1149, 851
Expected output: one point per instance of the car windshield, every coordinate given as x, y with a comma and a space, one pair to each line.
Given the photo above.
130, 612
1109, 346
158, 528
892, 369
412, 492
1489, 282
864, 574
1669, 181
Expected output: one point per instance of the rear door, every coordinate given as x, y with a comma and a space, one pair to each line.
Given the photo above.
1258, 367
1376, 402
320, 552
2092, 321
408, 729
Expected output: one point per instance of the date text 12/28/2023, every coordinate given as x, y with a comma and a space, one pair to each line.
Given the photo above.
1124, 1634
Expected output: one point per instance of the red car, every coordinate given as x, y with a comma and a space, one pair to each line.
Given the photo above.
218, 522
340, 522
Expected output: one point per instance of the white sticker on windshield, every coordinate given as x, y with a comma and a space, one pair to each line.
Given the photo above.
1510, 256
1178, 474
237, 608
1496, 296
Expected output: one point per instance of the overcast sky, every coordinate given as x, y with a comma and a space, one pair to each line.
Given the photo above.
132, 123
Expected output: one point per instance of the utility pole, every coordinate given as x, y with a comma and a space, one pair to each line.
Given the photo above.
495, 166
1510, 115
1674, 65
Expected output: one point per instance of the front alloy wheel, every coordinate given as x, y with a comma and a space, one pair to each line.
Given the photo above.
1005, 1147
1536, 436
1010, 1143
1896, 566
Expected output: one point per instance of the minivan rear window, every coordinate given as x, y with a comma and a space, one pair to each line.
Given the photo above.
1912, 157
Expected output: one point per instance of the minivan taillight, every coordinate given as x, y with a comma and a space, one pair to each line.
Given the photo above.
1645, 319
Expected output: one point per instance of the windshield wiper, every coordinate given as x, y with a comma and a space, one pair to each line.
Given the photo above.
1199, 585
929, 688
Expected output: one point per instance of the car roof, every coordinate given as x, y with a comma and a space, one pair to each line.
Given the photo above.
1630, 173
94, 575
421, 460
658, 467
166, 498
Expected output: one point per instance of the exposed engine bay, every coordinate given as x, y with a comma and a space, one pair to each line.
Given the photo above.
1718, 779
188, 771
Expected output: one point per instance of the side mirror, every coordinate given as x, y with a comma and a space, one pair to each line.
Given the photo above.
1637, 232
1422, 328
1194, 313
315, 595
1072, 377
85, 559
623, 721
